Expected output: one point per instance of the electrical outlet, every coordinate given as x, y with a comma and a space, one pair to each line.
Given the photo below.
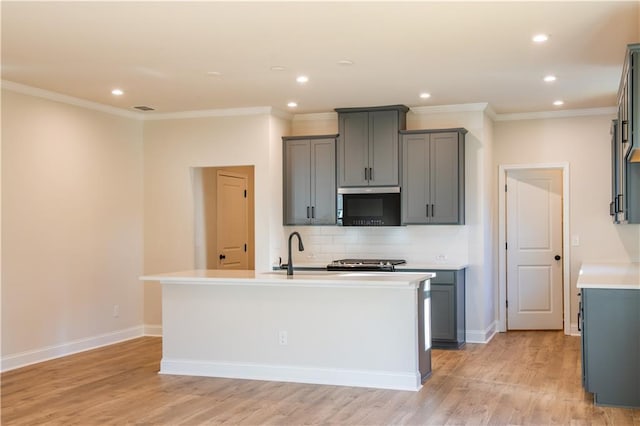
441, 257
283, 338
116, 311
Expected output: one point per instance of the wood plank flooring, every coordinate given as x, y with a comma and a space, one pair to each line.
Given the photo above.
518, 378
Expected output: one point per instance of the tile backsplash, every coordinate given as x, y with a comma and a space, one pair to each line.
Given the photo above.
415, 244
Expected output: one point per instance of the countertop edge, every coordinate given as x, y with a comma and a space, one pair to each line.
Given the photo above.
346, 280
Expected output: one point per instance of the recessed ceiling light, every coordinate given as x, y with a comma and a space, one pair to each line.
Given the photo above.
292, 104
549, 78
345, 62
540, 38
425, 95
277, 68
558, 102
302, 79
117, 92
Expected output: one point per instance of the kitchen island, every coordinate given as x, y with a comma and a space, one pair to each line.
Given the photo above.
356, 329
609, 318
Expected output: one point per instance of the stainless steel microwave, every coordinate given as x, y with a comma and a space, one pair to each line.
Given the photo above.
369, 206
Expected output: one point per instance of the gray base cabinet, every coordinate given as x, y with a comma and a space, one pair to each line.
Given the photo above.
610, 323
309, 180
433, 176
448, 326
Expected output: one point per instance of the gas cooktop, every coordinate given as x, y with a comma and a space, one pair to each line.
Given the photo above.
387, 265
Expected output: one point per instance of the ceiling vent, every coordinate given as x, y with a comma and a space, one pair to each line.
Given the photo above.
144, 108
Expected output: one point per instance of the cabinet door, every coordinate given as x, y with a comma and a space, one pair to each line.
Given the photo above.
444, 179
443, 312
383, 148
611, 331
323, 181
415, 175
297, 182
353, 149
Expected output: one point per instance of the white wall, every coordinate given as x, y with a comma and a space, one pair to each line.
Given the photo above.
72, 227
583, 142
471, 243
171, 148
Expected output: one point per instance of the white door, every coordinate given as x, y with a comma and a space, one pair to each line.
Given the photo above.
232, 221
534, 247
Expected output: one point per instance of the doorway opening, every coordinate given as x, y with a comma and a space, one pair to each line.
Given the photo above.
533, 303
224, 217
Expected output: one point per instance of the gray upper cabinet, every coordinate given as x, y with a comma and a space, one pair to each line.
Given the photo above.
309, 180
433, 176
625, 205
368, 152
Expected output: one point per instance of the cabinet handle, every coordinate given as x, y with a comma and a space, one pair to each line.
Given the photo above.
619, 203
433, 210
313, 212
370, 173
366, 175
579, 311
307, 212
612, 209
625, 136
427, 210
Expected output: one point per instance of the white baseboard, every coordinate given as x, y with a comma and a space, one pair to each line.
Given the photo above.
278, 373
482, 336
11, 362
154, 330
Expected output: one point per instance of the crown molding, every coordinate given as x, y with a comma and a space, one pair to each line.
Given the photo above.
556, 114
263, 110
475, 107
66, 99
226, 112
317, 116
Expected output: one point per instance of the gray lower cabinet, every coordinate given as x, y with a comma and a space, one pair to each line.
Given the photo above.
433, 176
368, 153
448, 326
309, 180
610, 323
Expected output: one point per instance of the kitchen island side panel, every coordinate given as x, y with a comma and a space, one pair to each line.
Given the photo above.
351, 336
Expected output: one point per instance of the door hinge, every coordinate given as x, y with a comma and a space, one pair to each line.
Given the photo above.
507, 303
506, 246
245, 247
245, 193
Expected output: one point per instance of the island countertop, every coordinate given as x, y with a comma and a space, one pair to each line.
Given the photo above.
299, 278
610, 276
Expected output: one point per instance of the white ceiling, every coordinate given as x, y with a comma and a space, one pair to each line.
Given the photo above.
160, 53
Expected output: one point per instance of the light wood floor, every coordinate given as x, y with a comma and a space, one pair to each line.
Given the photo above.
518, 378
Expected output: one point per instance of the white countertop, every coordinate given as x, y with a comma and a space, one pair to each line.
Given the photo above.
299, 278
411, 266
610, 276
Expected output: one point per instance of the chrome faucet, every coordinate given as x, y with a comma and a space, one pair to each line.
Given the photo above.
300, 248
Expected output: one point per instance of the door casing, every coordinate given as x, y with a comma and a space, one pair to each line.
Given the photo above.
502, 239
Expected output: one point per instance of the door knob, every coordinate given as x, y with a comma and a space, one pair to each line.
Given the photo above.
557, 257
222, 256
